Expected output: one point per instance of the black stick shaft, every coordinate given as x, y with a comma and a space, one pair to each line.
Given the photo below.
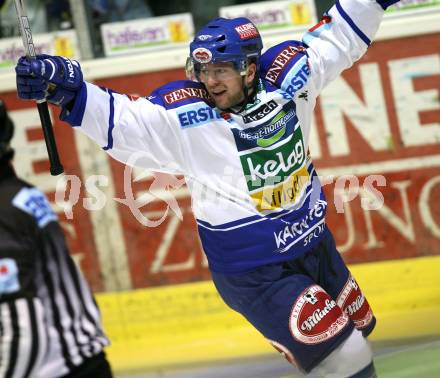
56, 167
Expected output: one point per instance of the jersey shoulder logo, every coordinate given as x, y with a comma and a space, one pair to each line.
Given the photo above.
182, 94
278, 63
179, 93
33, 202
9, 282
281, 61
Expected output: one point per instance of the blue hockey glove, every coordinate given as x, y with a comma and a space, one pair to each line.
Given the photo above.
386, 3
54, 78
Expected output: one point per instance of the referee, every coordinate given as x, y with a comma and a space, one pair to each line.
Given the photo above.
50, 324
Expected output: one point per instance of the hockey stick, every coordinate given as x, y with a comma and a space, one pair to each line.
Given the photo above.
56, 167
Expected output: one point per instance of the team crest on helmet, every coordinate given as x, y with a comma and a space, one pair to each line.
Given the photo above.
204, 37
202, 55
247, 31
315, 317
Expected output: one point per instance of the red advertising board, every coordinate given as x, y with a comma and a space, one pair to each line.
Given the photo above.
376, 144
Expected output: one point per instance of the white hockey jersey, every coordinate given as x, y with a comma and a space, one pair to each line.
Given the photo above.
255, 193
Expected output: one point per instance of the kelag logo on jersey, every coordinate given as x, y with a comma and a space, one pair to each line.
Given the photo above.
196, 115
273, 159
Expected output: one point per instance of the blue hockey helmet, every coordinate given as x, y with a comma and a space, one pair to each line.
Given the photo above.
234, 40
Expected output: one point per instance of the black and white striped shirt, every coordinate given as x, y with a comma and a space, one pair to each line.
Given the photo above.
49, 320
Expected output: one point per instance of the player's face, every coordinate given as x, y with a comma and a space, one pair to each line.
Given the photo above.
223, 83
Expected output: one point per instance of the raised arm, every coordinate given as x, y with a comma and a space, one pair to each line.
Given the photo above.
133, 131
333, 45
342, 37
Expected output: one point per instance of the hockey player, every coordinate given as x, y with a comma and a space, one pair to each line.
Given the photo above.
238, 131
50, 325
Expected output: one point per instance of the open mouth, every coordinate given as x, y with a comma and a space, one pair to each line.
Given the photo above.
218, 93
